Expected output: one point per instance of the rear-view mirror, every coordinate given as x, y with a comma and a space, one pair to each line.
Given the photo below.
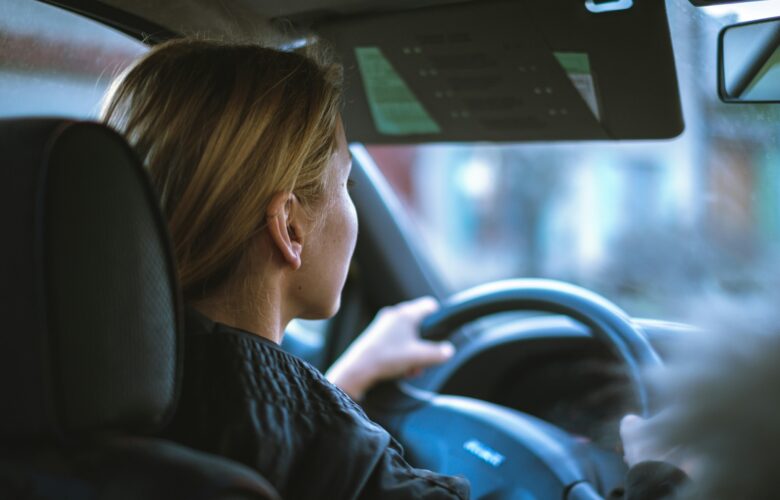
749, 62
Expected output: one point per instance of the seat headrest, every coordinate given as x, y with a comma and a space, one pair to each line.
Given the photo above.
88, 296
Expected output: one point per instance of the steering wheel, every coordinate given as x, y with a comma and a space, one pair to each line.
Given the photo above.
503, 452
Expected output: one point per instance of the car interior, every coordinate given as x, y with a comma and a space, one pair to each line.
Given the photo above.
449, 106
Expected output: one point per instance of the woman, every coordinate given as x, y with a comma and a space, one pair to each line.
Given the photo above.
247, 150
246, 147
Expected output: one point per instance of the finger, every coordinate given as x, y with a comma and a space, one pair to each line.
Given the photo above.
427, 353
629, 427
631, 436
418, 309
425, 303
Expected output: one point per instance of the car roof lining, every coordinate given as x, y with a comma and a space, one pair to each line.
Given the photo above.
236, 20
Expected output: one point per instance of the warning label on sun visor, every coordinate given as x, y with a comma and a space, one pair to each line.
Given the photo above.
577, 66
394, 108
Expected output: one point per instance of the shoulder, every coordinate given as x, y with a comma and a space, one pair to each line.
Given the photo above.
261, 370
248, 399
245, 398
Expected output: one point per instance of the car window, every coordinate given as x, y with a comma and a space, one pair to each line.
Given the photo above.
646, 223
53, 62
307, 339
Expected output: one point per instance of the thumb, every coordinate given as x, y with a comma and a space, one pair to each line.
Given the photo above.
419, 308
428, 353
630, 424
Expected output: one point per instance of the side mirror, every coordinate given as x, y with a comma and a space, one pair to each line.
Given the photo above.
749, 62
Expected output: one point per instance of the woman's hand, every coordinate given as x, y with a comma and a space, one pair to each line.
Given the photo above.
639, 445
390, 347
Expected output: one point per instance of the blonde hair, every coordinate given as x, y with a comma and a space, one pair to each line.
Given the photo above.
222, 127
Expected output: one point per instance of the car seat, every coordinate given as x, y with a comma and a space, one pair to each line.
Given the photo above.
91, 338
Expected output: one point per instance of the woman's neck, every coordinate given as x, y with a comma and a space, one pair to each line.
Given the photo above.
260, 314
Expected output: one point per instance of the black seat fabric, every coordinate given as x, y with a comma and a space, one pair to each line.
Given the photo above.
88, 286
126, 469
90, 352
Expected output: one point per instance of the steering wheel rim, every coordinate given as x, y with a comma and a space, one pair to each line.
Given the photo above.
400, 406
607, 322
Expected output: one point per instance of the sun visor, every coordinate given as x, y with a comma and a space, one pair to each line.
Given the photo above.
508, 71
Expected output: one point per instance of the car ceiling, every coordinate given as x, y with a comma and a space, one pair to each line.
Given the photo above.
249, 19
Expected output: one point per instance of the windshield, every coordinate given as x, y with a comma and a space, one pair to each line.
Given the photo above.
645, 223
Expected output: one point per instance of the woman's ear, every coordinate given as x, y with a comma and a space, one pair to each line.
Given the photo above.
284, 217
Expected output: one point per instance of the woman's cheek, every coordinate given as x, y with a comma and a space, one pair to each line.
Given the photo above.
353, 223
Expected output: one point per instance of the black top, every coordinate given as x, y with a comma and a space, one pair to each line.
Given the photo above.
245, 398
652, 480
